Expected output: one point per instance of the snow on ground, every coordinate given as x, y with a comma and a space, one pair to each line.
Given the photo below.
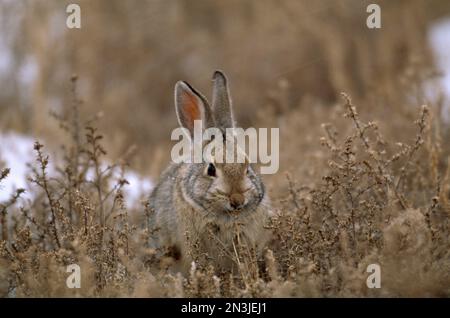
16, 151
439, 38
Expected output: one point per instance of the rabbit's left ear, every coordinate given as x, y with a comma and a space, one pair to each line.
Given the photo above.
221, 102
191, 106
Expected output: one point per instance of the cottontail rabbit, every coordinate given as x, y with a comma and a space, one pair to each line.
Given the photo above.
207, 209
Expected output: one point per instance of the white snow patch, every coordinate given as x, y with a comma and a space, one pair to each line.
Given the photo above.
439, 38
17, 151
138, 189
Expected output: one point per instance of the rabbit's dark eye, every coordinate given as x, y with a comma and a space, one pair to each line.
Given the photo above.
211, 171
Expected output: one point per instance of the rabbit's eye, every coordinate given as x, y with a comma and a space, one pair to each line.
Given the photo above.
211, 171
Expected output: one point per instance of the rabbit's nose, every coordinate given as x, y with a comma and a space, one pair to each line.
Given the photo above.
236, 200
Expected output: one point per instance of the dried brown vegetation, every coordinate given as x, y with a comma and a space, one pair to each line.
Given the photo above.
376, 201
364, 176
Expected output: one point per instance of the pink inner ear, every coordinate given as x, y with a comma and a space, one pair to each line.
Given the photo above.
191, 109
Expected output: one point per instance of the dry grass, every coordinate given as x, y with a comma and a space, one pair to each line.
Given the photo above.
362, 193
364, 176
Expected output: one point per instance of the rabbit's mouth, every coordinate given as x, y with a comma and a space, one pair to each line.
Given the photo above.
235, 200
219, 204
234, 211
232, 208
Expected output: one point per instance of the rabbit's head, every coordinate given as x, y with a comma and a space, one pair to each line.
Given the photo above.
216, 186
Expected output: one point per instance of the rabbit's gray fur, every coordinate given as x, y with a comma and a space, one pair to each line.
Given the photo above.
191, 207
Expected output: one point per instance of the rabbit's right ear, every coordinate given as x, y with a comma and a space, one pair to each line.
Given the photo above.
221, 102
190, 106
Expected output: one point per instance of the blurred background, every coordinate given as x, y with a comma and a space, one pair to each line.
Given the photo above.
286, 60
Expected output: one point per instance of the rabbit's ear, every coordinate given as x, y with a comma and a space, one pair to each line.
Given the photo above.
221, 101
190, 106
